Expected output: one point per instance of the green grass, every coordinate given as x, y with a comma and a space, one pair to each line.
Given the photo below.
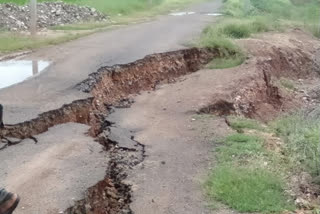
288, 84
220, 35
249, 177
230, 54
15, 42
121, 7
81, 26
20, 2
111, 7
242, 179
301, 133
239, 147
227, 62
235, 30
241, 138
210, 38
248, 190
245, 27
247, 17
245, 155
241, 123
301, 13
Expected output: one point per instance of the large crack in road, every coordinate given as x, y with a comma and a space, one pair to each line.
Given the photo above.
111, 86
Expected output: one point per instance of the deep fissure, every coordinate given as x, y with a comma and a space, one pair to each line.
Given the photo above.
111, 86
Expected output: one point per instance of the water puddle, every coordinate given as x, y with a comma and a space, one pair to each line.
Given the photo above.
214, 14
16, 71
182, 13
191, 13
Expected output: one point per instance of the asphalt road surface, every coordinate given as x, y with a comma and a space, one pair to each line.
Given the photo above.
52, 174
73, 61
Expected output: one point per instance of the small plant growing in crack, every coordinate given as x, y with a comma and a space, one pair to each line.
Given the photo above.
288, 84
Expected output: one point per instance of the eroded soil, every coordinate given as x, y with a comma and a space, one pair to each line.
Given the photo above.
157, 157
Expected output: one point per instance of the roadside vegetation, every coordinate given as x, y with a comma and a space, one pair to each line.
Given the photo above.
121, 8
109, 7
249, 177
15, 42
240, 124
248, 190
287, 84
256, 162
301, 134
243, 18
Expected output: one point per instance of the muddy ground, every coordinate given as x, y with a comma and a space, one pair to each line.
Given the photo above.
154, 156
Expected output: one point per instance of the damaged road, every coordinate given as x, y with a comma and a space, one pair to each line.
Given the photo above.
125, 139
72, 62
42, 171
42, 106
151, 156
110, 86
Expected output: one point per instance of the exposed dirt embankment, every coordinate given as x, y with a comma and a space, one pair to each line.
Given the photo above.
274, 59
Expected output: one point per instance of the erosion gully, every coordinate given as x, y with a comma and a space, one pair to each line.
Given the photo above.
113, 87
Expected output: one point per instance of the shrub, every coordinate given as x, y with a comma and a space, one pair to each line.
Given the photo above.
235, 30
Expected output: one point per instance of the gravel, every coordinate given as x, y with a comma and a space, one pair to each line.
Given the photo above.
16, 18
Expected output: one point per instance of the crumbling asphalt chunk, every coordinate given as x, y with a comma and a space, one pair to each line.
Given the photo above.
10, 141
123, 138
112, 195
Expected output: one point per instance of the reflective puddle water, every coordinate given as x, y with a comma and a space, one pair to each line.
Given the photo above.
214, 14
15, 71
191, 13
182, 13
